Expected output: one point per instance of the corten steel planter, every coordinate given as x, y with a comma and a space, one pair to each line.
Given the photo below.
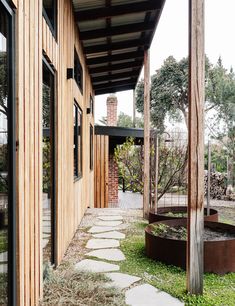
218, 255
160, 214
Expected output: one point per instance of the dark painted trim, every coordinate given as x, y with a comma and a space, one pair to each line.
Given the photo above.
118, 131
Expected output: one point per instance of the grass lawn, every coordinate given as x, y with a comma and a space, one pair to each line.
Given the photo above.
218, 290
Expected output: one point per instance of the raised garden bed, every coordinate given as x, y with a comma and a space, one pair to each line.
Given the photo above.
178, 212
165, 241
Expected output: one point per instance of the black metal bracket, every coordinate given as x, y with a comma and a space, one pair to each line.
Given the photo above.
70, 73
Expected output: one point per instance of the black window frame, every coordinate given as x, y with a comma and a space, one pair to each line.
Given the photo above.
77, 133
53, 28
12, 285
91, 147
78, 71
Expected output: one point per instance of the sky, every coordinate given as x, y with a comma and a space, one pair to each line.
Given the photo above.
171, 38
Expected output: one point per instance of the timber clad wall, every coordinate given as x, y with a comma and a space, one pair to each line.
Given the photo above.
34, 38
101, 173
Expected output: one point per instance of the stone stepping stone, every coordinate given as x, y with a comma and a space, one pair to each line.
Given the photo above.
101, 229
148, 295
110, 218
108, 223
166, 299
122, 280
96, 266
44, 243
108, 254
102, 243
110, 235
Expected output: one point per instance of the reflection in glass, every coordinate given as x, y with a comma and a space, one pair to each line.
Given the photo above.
4, 152
48, 164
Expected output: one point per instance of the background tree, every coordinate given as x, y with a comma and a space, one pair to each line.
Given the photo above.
172, 160
169, 92
125, 120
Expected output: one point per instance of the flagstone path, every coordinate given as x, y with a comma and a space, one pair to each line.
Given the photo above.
104, 244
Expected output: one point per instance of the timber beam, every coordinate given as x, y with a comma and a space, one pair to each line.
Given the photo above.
117, 10
115, 46
117, 30
113, 67
116, 76
114, 58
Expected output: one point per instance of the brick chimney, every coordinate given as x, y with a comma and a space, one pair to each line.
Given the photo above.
112, 103
112, 110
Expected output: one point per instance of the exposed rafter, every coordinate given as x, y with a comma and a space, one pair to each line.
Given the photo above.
114, 67
115, 84
114, 89
118, 30
117, 10
114, 46
115, 76
114, 58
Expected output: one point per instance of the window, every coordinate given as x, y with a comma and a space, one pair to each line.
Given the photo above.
77, 119
50, 14
91, 147
78, 72
48, 158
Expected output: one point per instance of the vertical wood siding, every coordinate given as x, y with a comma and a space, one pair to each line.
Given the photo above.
101, 168
33, 38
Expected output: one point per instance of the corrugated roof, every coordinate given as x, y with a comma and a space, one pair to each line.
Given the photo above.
114, 34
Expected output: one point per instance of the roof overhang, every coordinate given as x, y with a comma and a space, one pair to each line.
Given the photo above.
114, 35
118, 135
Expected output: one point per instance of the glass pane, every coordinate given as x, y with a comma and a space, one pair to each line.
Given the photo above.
4, 153
50, 10
48, 159
79, 142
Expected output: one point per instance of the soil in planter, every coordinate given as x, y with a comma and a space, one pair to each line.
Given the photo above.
180, 233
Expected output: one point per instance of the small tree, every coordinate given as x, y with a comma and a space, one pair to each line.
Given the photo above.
172, 161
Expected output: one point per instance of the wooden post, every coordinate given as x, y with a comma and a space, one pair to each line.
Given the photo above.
196, 148
209, 178
146, 197
134, 109
156, 149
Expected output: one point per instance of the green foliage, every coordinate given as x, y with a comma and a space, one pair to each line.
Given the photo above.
3, 241
172, 162
125, 120
129, 159
164, 230
3, 168
169, 91
46, 165
218, 290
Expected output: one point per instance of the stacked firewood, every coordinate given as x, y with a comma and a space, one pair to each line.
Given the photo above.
218, 185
